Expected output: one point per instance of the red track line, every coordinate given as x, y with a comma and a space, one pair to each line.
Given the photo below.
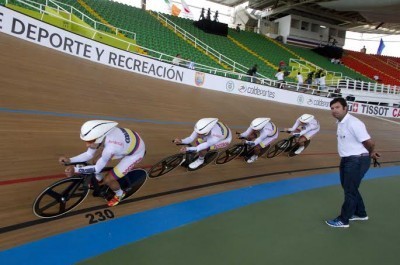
17, 181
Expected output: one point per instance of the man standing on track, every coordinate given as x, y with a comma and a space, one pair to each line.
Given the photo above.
356, 149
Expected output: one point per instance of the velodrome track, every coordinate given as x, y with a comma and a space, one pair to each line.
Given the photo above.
45, 96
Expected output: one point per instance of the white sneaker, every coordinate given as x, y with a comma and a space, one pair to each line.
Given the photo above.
299, 150
196, 163
252, 159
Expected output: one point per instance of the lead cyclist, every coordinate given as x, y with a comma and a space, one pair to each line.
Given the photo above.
119, 143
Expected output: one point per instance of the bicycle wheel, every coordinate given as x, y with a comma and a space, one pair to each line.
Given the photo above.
278, 148
166, 165
210, 157
293, 150
229, 154
60, 198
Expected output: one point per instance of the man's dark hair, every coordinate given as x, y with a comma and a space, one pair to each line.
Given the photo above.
342, 102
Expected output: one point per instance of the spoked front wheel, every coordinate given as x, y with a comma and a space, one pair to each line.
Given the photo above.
278, 148
60, 198
210, 157
166, 165
229, 154
294, 149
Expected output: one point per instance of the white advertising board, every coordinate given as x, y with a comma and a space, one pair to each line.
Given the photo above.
35, 31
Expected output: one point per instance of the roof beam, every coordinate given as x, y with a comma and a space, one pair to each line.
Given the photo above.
287, 6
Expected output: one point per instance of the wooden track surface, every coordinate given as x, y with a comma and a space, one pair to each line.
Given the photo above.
45, 96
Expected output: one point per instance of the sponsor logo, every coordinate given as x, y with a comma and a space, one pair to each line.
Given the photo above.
255, 90
318, 102
242, 88
300, 99
230, 85
199, 78
371, 109
126, 135
374, 110
354, 107
396, 113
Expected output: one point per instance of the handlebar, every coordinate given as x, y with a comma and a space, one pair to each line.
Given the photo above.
240, 138
189, 145
76, 164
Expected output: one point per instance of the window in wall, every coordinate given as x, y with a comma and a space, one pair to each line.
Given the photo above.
314, 28
295, 24
305, 25
333, 32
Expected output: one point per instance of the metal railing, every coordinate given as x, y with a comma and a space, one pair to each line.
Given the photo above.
327, 91
308, 65
236, 67
68, 9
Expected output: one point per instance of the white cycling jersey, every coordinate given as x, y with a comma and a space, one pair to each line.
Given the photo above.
307, 129
119, 143
220, 136
267, 134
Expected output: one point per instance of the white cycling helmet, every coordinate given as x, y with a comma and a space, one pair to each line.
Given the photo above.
259, 123
96, 130
204, 126
306, 118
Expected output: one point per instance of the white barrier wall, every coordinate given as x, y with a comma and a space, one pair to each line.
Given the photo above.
35, 31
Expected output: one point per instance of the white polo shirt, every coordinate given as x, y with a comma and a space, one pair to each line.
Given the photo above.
351, 132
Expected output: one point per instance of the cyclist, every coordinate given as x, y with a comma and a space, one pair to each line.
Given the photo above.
260, 134
305, 127
119, 143
211, 134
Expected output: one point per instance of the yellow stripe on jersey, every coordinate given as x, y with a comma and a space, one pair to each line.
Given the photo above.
224, 129
275, 129
135, 141
116, 173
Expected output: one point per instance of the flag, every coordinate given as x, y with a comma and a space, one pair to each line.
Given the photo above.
175, 11
381, 47
185, 7
168, 3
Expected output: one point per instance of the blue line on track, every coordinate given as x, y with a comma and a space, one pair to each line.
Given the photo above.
87, 242
89, 116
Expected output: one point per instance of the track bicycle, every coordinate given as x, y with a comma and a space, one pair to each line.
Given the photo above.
288, 145
66, 194
169, 163
238, 150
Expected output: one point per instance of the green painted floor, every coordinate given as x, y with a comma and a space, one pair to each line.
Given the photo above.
286, 230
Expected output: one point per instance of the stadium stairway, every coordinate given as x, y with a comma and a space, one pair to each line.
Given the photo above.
150, 33
170, 27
